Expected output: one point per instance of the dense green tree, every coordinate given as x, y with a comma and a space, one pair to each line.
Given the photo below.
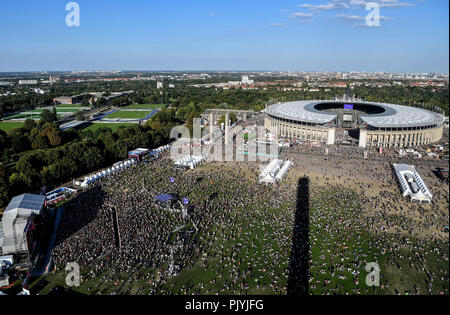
4, 142
48, 117
53, 134
19, 141
86, 100
80, 116
4, 187
29, 125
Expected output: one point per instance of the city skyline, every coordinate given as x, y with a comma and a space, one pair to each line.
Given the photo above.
232, 36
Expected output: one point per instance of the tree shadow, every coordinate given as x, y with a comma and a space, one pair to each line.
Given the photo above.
299, 264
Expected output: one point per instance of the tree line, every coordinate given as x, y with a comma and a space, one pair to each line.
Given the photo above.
76, 153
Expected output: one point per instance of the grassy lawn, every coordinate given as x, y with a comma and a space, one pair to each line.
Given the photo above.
245, 247
70, 106
113, 127
8, 126
35, 116
40, 110
129, 115
145, 106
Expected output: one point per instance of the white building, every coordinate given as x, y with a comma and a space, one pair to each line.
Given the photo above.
159, 85
28, 82
246, 80
411, 184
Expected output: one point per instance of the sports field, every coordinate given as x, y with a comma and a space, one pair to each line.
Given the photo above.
8, 126
145, 106
34, 116
129, 115
58, 110
35, 113
70, 106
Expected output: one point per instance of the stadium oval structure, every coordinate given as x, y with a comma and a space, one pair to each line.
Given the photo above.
375, 124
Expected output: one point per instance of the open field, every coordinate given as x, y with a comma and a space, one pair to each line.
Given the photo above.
129, 115
58, 110
71, 106
8, 126
247, 232
35, 116
145, 106
35, 113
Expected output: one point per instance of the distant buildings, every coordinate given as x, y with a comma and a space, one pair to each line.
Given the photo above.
69, 100
78, 99
53, 80
245, 80
28, 82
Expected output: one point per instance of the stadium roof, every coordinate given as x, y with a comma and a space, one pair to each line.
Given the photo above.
403, 116
394, 116
297, 111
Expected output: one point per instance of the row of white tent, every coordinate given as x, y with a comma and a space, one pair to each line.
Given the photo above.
275, 171
117, 167
162, 149
190, 161
282, 173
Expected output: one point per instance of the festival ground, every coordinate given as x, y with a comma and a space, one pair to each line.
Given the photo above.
248, 239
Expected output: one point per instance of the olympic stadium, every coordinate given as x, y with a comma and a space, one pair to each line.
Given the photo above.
369, 124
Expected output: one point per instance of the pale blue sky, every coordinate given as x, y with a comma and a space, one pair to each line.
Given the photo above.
302, 35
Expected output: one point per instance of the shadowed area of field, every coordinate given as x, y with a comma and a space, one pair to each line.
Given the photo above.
299, 264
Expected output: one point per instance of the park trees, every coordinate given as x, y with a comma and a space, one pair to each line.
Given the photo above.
29, 125
4, 190
19, 141
53, 134
48, 117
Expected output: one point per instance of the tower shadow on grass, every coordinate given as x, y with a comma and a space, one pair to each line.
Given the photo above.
299, 263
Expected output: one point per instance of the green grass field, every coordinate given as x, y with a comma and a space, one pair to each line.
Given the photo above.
145, 106
113, 127
58, 110
129, 115
248, 245
35, 116
69, 105
8, 126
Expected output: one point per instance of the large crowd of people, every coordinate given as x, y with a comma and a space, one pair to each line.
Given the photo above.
245, 236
